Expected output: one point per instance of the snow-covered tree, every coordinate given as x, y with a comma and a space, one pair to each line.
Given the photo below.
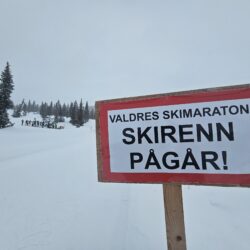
44, 110
58, 113
4, 119
6, 88
86, 112
29, 106
74, 114
81, 114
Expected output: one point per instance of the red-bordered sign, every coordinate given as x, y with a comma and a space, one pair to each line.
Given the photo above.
190, 117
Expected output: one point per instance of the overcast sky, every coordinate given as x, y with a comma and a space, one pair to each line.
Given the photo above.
105, 49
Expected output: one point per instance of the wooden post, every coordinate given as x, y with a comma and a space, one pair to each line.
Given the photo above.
174, 217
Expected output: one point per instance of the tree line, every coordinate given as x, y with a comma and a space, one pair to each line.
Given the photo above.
78, 112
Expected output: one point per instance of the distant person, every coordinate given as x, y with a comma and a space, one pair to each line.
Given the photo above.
22, 122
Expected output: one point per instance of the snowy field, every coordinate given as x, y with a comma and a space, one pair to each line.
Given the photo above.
50, 200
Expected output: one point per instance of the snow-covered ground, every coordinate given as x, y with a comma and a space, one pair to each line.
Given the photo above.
50, 200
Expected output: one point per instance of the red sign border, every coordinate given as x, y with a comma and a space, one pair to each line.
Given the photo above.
198, 96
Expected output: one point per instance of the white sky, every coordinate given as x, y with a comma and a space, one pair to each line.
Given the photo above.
105, 49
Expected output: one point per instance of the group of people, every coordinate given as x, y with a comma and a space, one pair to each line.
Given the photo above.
41, 124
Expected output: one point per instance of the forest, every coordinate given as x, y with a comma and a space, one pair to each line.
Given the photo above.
78, 111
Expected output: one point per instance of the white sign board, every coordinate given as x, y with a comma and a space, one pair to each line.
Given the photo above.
198, 136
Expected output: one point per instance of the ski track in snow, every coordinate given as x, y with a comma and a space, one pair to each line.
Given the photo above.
50, 200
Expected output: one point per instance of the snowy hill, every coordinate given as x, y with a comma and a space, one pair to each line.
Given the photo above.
50, 200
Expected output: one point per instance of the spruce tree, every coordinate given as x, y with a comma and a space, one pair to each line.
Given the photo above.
71, 111
74, 114
44, 110
4, 119
59, 107
64, 110
6, 88
56, 112
86, 112
29, 106
81, 114
50, 108
33, 106
24, 108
